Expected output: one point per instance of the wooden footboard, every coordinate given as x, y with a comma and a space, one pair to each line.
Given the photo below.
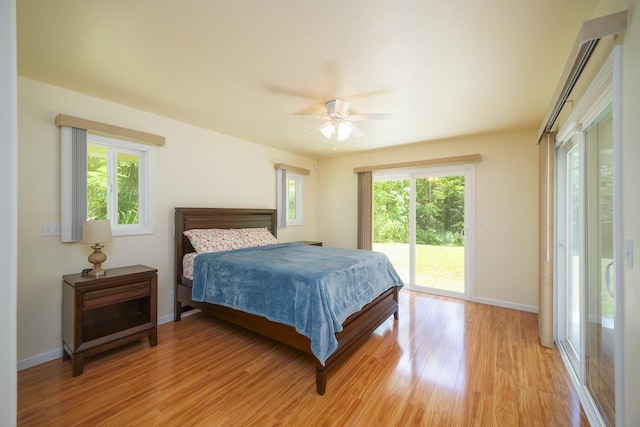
356, 329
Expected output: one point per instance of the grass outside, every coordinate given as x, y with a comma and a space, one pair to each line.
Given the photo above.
440, 267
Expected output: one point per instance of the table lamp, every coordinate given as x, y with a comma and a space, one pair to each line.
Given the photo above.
95, 232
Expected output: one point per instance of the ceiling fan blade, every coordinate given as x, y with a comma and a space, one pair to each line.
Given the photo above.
306, 116
370, 93
315, 129
313, 110
355, 131
373, 116
281, 90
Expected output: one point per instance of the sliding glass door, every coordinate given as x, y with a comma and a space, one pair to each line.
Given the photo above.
421, 222
599, 283
587, 242
570, 244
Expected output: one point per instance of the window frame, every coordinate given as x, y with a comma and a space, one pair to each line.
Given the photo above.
282, 195
298, 180
115, 146
71, 189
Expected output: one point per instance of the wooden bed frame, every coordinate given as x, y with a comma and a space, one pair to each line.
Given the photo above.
356, 329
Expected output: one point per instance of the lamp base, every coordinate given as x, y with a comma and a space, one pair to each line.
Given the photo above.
97, 258
97, 271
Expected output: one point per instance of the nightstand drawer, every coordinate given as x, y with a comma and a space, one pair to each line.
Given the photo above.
311, 242
108, 296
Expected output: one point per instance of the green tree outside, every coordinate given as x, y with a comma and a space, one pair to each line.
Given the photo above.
97, 185
439, 211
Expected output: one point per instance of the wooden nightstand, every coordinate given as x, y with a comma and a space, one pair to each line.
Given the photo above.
311, 242
105, 312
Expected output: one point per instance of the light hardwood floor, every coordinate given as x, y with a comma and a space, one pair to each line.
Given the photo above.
444, 362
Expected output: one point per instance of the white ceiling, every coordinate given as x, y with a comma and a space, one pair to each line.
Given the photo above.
444, 68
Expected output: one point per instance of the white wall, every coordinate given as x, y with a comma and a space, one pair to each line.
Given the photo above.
196, 167
506, 203
8, 213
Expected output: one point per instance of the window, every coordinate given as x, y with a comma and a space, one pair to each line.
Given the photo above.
289, 198
294, 199
116, 184
105, 178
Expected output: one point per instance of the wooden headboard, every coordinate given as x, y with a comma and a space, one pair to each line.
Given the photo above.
188, 218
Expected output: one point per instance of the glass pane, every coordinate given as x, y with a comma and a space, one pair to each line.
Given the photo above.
391, 223
573, 249
292, 199
439, 232
97, 182
128, 190
600, 274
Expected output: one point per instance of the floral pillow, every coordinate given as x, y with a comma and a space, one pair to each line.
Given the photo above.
217, 240
211, 240
251, 237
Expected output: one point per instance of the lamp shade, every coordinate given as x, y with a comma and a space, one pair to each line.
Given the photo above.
327, 129
344, 131
96, 231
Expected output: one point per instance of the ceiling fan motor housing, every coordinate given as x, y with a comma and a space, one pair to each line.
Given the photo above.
337, 108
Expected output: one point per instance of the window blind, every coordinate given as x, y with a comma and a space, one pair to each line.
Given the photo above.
281, 198
74, 184
365, 210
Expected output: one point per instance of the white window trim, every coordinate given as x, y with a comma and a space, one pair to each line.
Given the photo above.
282, 198
299, 198
145, 153
145, 216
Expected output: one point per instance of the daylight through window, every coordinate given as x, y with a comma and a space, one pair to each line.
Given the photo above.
105, 178
117, 183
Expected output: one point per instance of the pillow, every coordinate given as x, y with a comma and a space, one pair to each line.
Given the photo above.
217, 240
211, 240
251, 237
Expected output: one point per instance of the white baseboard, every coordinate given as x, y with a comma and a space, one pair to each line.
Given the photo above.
165, 319
40, 359
56, 353
507, 304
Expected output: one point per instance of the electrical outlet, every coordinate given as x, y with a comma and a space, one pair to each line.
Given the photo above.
52, 229
172, 297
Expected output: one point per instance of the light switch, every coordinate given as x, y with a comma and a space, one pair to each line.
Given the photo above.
52, 229
627, 252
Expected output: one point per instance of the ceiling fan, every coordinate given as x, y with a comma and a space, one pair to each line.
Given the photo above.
338, 120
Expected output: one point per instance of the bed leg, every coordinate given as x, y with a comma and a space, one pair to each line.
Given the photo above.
395, 315
321, 380
178, 313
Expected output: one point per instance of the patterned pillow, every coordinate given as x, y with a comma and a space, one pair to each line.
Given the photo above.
210, 240
217, 240
250, 237
187, 265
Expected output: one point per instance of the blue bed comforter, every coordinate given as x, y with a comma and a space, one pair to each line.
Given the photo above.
311, 288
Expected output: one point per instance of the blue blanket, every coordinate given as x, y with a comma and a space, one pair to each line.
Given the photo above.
311, 288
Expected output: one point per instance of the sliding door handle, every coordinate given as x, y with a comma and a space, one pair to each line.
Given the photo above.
607, 278
464, 233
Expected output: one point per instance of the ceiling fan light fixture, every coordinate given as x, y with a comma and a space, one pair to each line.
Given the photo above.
343, 131
338, 121
327, 129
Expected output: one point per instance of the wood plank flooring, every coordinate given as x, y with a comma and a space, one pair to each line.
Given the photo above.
445, 362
